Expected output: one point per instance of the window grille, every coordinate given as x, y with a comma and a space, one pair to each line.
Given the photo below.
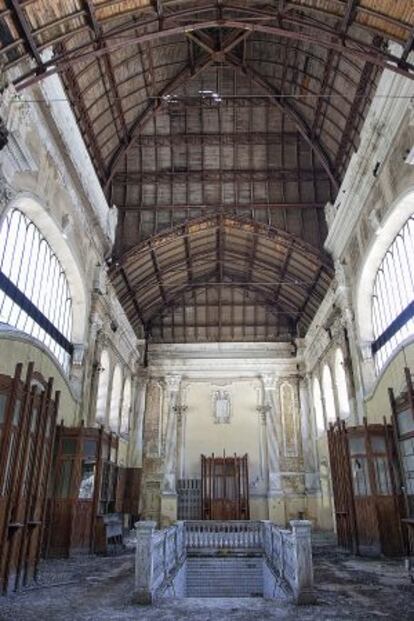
34, 291
393, 296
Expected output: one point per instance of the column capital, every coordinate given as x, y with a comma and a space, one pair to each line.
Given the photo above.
173, 382
268, 382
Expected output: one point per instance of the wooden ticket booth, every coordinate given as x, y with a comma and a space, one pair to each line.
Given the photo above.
85, 475
225, 488
366, 488
27, 426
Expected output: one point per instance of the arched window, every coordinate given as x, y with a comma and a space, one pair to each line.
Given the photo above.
126, 406
115, 399
34, 291
102, 394
341, 387
393, 296
317, 404
328, 394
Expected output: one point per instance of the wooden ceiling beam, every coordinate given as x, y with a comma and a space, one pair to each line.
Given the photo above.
122, 178
225, 208
23, 27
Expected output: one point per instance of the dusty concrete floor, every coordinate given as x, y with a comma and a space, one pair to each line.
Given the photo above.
100, 589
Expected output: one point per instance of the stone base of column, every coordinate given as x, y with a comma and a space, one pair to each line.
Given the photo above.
277, 508
168, 509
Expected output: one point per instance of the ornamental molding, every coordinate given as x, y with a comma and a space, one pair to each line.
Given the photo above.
377, 138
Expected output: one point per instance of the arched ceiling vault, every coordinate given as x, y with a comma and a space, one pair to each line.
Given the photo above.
222, 278
198, 110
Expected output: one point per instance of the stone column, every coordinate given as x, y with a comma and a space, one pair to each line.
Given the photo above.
181, 425
144, 563
136, 457
264, 470
308, 439
276, 502
169, 494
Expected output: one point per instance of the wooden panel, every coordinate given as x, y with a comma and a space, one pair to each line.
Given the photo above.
366, 495
27, 425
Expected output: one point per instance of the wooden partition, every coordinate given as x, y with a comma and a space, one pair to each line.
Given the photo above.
402, 407
366, 488
27, 426
225, 488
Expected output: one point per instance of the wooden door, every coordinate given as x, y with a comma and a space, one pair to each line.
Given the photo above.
224, 484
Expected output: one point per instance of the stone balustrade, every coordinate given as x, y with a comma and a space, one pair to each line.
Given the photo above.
287, 555
216, 535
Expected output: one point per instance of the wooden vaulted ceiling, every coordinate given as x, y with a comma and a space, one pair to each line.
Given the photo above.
220, 130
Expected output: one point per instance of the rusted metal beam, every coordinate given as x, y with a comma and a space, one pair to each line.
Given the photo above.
359, 100
346, 21
116, 99
322, 36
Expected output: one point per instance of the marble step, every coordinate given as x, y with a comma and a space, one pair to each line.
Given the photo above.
236, 577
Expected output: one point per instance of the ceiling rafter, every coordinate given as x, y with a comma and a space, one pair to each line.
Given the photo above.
85, 120
291, 112
24, 28
151, 110
116, 99
133, 298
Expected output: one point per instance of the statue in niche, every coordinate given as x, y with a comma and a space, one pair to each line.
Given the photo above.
221, 401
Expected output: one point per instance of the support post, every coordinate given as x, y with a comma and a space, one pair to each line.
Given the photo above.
144, 563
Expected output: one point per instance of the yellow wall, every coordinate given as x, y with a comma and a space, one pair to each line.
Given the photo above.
13, 351
377, 404
204, 436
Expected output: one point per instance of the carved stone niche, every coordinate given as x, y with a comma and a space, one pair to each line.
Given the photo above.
221, 407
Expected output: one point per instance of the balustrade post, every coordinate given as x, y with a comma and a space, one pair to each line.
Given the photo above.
303, 586
144, 562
